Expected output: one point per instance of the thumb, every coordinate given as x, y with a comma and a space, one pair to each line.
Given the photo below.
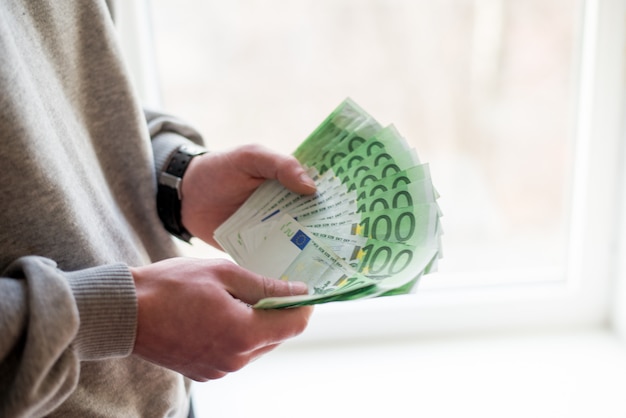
251, 287
264, 163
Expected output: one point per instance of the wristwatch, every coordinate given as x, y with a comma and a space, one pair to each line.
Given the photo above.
169, 194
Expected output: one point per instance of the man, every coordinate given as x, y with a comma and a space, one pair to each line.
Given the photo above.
97, 315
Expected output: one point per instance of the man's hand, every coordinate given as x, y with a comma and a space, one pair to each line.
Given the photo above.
216, 184
194, 317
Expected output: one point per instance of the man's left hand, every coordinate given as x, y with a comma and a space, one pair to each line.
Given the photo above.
217, 183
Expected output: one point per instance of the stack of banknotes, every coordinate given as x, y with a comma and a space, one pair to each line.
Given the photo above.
371, 229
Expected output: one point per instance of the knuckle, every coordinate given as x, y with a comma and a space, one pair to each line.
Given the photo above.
249, 150
225, 268
233, 364
269, 286
288, 162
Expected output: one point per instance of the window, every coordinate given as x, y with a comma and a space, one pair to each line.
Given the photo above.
513, 104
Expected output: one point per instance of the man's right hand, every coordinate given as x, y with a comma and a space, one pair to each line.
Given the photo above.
194, 316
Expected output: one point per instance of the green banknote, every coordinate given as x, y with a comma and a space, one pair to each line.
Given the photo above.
371, 229
347, 119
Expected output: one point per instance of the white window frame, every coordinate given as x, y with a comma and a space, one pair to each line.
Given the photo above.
592, 291
134, 28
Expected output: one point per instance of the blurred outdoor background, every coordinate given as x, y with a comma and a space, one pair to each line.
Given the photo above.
483, 89
487, 92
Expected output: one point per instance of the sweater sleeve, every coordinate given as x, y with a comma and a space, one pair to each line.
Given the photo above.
50, 321
168, 134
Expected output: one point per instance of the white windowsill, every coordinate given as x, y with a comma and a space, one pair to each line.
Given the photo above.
541, 375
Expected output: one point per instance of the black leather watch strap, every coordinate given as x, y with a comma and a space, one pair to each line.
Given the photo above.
169, 190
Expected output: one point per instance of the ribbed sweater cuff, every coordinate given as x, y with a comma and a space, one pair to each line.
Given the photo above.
168, 134
164, 145
107, 306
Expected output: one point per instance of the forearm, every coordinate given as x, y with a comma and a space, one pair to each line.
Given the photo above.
52, 320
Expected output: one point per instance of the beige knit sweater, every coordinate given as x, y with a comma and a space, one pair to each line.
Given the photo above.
77, 207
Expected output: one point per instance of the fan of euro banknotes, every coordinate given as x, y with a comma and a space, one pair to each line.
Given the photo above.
371, 229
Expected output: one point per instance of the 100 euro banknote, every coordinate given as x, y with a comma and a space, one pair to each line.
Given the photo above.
372, 228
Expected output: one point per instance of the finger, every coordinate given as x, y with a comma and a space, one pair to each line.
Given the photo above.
270, 326
263, 163
250, 287
278, 325
262, 351
205, 375
246, 358
258, 331
291, 174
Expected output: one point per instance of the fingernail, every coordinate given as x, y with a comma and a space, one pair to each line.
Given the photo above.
298, 288
308, 181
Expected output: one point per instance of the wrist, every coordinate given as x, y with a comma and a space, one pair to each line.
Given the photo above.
169, 193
